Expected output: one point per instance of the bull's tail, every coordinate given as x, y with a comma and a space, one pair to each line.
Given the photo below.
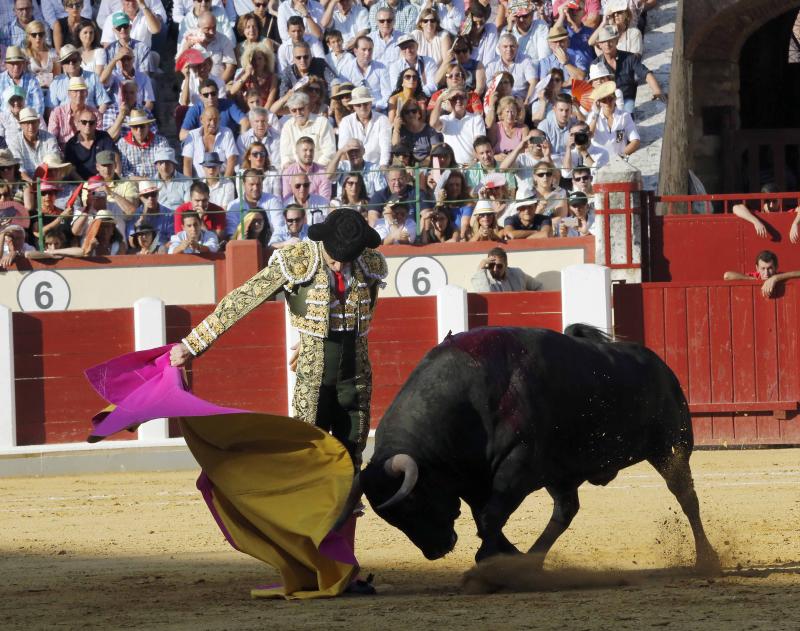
588, 332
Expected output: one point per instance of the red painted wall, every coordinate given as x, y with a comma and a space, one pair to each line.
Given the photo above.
524, 308
734, 351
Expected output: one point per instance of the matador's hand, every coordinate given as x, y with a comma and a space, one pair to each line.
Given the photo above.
294, 356
179, 355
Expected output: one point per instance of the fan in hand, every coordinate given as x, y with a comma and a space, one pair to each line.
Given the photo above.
581, 93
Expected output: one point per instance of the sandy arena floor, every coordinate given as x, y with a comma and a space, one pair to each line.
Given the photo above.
141, 551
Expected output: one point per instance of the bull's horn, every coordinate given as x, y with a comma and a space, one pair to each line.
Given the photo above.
401, 464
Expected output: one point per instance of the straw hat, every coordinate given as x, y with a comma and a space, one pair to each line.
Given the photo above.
603, 90
483, 207
557, 33
139, 117
361, 94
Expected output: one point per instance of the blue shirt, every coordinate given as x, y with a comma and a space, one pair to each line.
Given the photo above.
229, 115
574, 57
96, 96
557, 136
579, 40
33, 91
164, 223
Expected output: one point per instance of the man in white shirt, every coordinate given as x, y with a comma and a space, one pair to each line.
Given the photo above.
372, 74
371, 128
386, 37
216, 44
531, 32
316, 207
254, 197
193, 239
338, 59
144, 22
517, 64
409, 58
396, 227
460, 128
296, 30
351, 20
310, 10
303, 123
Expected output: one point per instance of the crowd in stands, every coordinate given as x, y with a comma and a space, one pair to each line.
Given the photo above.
440, 121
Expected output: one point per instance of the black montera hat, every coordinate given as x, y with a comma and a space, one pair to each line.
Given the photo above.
345, 234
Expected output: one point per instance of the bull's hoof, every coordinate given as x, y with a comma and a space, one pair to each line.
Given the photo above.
708, 564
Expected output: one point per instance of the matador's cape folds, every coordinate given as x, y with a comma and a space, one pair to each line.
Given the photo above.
275, 486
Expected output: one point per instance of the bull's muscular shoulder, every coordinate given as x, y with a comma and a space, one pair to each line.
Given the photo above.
297, 262
374, 264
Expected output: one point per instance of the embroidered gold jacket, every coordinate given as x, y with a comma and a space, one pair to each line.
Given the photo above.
301, 273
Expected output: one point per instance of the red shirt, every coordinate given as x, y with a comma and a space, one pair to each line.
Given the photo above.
214, 218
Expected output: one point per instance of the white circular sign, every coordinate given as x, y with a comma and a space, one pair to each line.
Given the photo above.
420, 276
43, 290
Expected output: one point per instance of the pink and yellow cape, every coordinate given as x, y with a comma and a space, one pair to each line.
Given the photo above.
274, 485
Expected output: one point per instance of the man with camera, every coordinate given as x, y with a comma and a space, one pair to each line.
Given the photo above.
494, 274
521, 160
580, 151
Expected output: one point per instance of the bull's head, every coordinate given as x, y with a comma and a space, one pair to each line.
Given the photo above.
412, 503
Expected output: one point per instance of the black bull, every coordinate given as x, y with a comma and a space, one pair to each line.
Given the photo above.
491, 415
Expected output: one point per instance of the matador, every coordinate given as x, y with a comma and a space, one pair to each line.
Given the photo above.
331, 285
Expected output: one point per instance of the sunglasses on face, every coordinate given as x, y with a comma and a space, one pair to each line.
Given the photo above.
208, 95
351, 183
37, 34
71, 61
149, 195
411, 111
298, 220
88, 122
123, 27
258, 154
259, 5
386, 21
584, 178
73, 5
456, 75
458, 51
300, 57
409, 77
428, 20
299, 186
543, 174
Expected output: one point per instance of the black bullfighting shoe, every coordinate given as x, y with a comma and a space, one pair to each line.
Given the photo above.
360, 587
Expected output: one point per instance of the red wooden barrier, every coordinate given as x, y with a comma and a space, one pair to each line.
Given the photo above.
51, 351
524, 308
734, 351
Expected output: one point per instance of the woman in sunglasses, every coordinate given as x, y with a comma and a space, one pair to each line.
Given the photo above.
256, 156
432, 40
42, 60
612, 128
65, 30
407, 89
474, 72
353, 194
411, 130
552, 198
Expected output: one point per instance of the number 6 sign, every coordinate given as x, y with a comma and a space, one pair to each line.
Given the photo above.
43, 290
420, 276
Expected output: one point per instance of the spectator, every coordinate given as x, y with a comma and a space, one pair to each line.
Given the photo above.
50, 216
522, 159
526, 223
103, 237
151, 213
256, 73
501, 85
82, 148
437, 227
14, 98
571, 16
193, 239
212, 216
221, 190
368, 73
613, 130
173, 186
399, 187
317, 208
530, 32
475, 80
64, 118
432, 40
250, 31
408, 91
120, 197
304, 67
137, 148
339, 168
182, 8
580, 151
311, 12
766, 270
209, 137
13, 34
573, 62
401, 155
557, 125
229, 112
297, 35
12, 245
591, 14
544, 99
507, 132
618, 16
194, 75
349, 18
42, 59
582, 181
341, 93
101, 196
485, 163
143, 241
338, 59
453, 199
320, 181
116, 118
316, 89
68, 23
483, 225
143, 21
494, 274
628, 70
33, 144
385, 36
93, 55
409, 58
367, 126
191, 20
403, 11
768, 205
257, 157
456, 78
460, 129
482, 36
254, 197
353, 194
254, 227
120, 70
124, 43
552, 198
16, 75
263, 129
296, 228
396, 227
70, 58
517, 64
579, 221
301, 124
